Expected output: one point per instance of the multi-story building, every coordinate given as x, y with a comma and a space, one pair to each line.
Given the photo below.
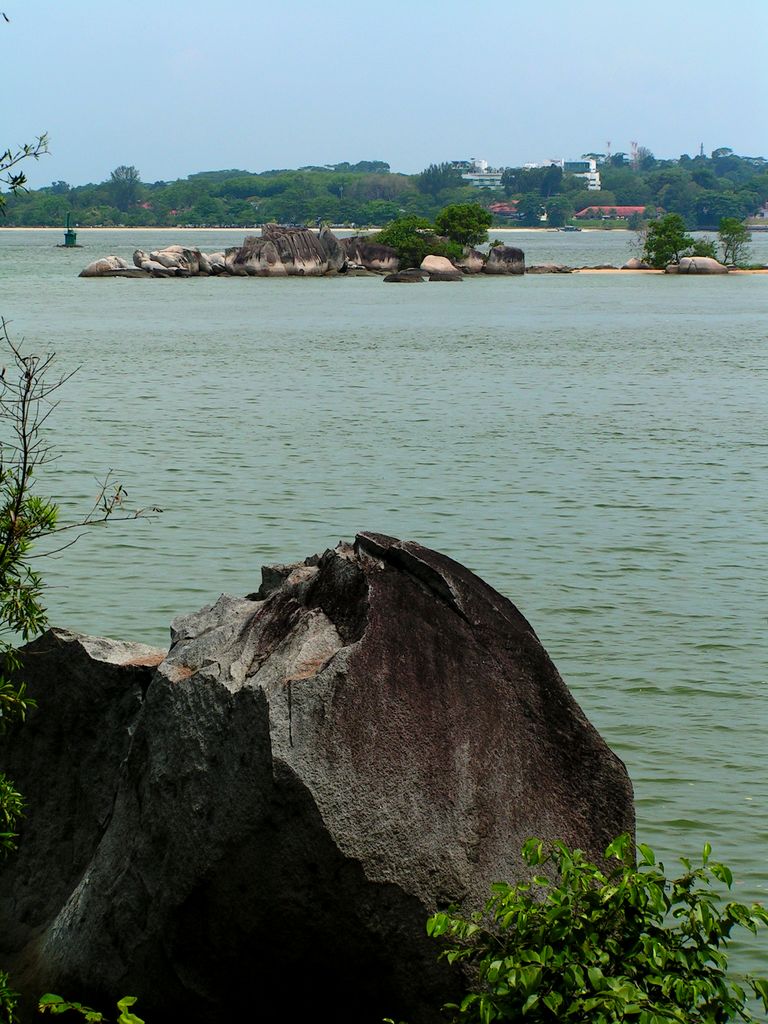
477, 173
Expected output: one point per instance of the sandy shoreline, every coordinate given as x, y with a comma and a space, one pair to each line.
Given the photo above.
334, 227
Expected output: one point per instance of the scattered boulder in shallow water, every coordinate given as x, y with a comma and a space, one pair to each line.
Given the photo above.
636, 264
697, 265
411, 276
437, 265
549, 268
440, 268
110, 266
291, 791
505, 259
453, 275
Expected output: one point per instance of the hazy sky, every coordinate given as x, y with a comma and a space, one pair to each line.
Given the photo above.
184, 85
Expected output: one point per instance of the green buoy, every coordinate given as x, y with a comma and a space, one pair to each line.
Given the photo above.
70, 235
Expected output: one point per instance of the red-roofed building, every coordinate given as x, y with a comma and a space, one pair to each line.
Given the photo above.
504, 209
610, 212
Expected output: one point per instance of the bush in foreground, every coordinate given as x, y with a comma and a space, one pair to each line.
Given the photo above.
602, 944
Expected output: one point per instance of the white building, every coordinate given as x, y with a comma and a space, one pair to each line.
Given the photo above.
586, 169
480, 175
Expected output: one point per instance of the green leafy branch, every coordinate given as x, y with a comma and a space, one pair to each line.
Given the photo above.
53, 1004
609, 943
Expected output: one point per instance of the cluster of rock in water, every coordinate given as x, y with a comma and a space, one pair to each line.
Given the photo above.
270, 809
300, 252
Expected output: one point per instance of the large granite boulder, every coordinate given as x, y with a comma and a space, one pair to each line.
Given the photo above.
217, 261
286, 252
437, 265
697, 265
411, 276
184, 261
471, 261
144, 261
505, 259
382, 259
334, 250
440, 268
276, 805
111, 266
256, 257
635, 263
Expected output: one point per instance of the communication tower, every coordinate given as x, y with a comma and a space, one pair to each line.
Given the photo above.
608, 151
634, 157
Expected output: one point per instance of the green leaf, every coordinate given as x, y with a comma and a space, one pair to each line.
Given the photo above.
596, 978
530, 1002
649, 857
760, 988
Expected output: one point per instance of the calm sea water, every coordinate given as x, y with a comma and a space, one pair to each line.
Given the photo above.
593, 446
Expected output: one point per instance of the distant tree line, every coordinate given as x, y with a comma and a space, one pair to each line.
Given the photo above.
701, 189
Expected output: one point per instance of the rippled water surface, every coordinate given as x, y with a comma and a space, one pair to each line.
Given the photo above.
593, 446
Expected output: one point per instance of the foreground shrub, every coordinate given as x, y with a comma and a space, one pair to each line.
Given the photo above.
50, 1003
602, 944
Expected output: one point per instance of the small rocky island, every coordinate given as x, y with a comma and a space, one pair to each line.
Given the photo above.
270, 809
299, 252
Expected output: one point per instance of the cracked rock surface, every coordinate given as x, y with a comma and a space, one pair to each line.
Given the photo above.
276, 804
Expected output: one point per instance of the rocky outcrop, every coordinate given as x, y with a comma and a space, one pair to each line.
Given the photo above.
278, 803
437, 265
505, 259
697, 265
278, 252
549, 268
334, 250
110, 266
636, 264
411, 276
440, 268
382, 259
471, 262
286, 252
173, 261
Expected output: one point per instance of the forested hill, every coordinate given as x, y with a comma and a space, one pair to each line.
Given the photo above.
702, 189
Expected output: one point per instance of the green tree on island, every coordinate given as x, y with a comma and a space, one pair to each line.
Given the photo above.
666, 241
413, 238
734, 238
465, 223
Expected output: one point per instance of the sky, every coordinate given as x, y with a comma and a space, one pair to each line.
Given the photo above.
185, 85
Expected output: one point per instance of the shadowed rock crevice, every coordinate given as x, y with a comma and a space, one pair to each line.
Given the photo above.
310, 772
